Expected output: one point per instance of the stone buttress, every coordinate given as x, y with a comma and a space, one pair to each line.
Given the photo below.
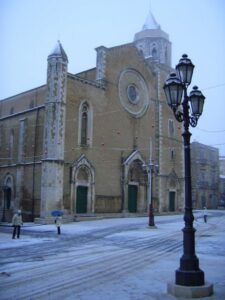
54, 133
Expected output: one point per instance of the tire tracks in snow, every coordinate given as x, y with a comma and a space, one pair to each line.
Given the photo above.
85, 267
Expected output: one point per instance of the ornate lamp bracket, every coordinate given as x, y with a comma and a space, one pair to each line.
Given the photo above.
193, 121
178, 115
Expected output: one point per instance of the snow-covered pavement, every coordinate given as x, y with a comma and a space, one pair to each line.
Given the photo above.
107, 259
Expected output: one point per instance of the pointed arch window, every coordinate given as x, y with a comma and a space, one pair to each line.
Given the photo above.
11, 144
166, 54
171, 128
8, 193
85, 125
154, 53
22, 138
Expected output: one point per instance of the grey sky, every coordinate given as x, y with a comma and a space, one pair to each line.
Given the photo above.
29, 30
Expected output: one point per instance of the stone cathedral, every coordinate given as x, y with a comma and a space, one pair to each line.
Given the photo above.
79, 143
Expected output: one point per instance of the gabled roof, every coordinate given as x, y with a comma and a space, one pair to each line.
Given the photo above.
133, 156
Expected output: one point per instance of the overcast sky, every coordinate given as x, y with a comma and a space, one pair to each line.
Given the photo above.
29, 30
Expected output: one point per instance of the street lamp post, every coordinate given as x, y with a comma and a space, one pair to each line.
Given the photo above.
189, 273
150, 169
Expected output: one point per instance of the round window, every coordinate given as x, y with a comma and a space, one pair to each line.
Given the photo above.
132, 93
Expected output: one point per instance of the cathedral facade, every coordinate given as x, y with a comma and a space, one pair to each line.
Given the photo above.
80, 143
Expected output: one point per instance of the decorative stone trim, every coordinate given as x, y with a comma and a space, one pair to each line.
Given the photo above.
132, 78
101, 84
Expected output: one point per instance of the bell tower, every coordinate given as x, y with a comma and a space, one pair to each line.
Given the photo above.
153, 42
54, 132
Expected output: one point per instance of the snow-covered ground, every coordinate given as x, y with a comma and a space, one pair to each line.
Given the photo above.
46, 232
107, 259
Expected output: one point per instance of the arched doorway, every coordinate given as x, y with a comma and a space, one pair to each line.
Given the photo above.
135, 184
173, 186
82, 187
82, 190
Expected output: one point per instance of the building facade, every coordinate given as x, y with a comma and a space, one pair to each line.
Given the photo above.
222, 183
79, 142
205, 175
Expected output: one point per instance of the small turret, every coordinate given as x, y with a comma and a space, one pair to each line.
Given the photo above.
153, 42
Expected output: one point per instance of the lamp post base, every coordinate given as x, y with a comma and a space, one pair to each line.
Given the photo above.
151, 222
190, 278
152, 227
151, 218
176, 290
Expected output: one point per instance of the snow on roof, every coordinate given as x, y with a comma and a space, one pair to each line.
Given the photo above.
150, 22
59, 51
